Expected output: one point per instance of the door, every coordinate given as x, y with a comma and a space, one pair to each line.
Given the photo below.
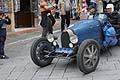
24, 17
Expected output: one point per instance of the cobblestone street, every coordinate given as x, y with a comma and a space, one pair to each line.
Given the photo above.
22, 68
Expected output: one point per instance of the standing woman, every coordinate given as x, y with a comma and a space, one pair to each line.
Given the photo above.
46, 22
65, 7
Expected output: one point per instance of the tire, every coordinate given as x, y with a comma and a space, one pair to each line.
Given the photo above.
88, 62
37, 54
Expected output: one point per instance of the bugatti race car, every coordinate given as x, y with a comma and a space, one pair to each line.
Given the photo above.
83, 39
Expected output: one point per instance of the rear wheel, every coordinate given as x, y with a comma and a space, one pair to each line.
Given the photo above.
88, 56
37, 52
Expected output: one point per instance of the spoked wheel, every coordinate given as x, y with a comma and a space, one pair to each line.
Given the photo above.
38, 53
88, 56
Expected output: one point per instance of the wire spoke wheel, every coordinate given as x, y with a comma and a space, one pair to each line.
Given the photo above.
88, 55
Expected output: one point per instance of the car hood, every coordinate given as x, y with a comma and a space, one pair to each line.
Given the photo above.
86, 29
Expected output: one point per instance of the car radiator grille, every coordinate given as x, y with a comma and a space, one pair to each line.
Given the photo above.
65, 40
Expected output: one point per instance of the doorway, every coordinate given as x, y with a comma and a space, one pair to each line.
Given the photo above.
24, 17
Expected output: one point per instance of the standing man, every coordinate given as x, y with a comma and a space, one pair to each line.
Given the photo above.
4, 21
46, 22
65, 7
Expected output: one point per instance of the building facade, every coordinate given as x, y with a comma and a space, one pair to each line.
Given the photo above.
21, 12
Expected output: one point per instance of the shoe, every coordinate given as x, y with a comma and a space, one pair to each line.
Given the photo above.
4, 57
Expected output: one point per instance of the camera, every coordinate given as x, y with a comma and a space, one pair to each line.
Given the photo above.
5, 16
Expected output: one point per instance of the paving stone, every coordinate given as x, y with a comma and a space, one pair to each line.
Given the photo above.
57, 74
105, 73
110, 66
117, 65
61, 64
39, 79
57, 79
82, 78
28, 72
5, 72
75, 75
107, 77
72, 67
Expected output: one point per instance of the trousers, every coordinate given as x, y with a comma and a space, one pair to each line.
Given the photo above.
2, 40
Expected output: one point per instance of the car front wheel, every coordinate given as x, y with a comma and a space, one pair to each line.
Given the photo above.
88, 56
37, 52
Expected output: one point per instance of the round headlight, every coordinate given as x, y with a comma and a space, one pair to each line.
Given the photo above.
50, 37
55, 43
70, 45
73, 39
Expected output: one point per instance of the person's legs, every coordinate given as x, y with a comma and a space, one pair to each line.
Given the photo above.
68, 18
2, 44
52, 19
2, 40
45, 25
50, 26
45, 31
1, 47
62, 22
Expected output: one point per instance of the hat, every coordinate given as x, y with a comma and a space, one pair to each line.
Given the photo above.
110, 6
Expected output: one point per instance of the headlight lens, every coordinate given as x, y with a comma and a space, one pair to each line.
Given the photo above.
55, 43
70, 45
73, 39
50, 37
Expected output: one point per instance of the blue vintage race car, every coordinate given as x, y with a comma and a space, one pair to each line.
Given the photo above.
83, 40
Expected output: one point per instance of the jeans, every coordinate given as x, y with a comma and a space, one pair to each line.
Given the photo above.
2, 40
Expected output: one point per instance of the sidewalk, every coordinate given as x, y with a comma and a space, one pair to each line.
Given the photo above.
19, 31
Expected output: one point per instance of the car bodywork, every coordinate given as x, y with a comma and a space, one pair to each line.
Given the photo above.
82, 40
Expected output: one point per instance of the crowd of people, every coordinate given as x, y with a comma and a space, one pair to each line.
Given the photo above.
75, 9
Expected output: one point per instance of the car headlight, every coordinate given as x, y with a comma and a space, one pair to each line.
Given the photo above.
50, 37
70, 45
73, 39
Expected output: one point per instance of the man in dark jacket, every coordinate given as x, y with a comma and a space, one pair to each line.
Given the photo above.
4, 21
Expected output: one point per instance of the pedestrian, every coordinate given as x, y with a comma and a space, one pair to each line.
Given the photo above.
93, 3
73, 11
65, 7
4, 21
99, 6
46, 21
113, 15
